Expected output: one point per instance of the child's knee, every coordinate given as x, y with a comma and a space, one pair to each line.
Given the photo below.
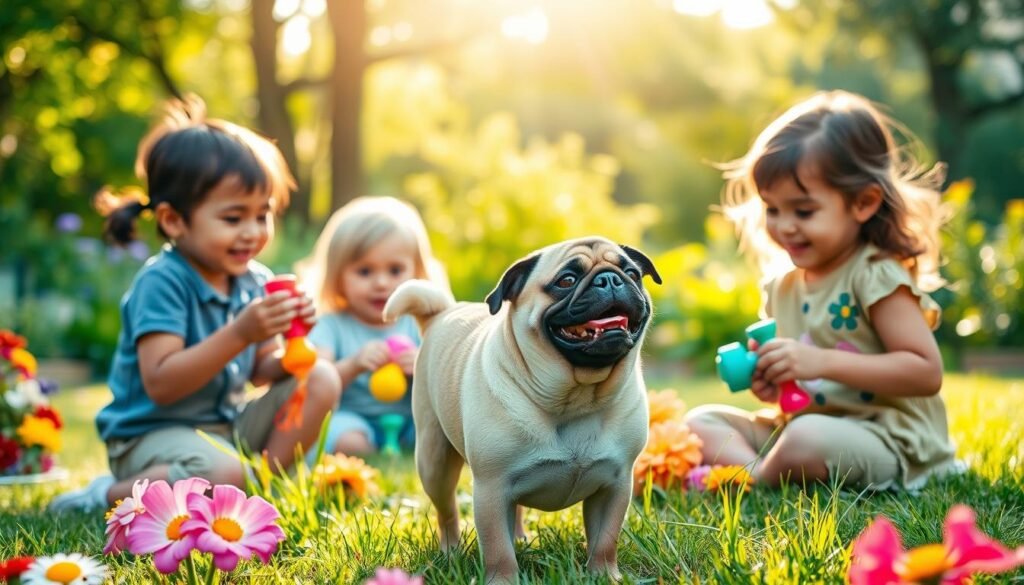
323, 386
353, 443
214, 468
704, 420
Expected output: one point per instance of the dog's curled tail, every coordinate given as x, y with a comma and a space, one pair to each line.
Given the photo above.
420, 298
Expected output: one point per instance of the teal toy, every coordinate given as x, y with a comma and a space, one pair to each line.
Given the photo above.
391, 424
736, 364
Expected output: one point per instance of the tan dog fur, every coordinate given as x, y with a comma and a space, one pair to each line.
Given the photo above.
492, 390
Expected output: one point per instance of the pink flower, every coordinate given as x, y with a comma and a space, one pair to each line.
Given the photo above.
161, 529
879, 558
120, 517
232, 527
394, 577
697, 478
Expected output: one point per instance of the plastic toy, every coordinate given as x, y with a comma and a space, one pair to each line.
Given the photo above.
389, 384
298, 359
736, 364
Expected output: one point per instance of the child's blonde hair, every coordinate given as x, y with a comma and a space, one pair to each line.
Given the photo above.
350, 233
851, 146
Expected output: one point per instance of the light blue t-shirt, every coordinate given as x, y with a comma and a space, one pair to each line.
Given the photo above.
169, 296
344, 336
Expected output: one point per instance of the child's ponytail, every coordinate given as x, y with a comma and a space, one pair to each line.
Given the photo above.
121, 213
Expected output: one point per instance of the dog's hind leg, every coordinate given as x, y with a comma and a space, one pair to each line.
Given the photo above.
439, 465
603, 515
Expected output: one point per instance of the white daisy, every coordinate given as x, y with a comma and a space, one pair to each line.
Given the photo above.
15, 399
32, 392
63, 569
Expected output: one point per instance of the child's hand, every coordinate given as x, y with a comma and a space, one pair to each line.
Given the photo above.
764, 391
407, 360
372, 356
306, 309
783, 359
265, 317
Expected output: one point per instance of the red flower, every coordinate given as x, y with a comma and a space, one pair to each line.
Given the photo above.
43, 411
9, 340
9, 452
14, 567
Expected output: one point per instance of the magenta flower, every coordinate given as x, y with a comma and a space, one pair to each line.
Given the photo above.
394, 577
879, 558
233, 527
161, 529
120, 518
697, 478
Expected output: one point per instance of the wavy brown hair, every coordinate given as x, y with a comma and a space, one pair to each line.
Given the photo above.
850, 144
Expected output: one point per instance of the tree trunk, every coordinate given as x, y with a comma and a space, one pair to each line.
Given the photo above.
348, 23
952, 115
273, 117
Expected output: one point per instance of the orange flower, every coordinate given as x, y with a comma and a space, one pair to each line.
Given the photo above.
24, 362
729, 476
665, 405
39, 431
671, 452
352, 473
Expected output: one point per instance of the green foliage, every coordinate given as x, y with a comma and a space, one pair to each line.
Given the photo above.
708, 297
767, 536
983, 304
75, 284
491, 201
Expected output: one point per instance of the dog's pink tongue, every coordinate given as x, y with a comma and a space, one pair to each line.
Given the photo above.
609, 323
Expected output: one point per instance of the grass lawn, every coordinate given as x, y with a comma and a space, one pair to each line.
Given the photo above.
786, 536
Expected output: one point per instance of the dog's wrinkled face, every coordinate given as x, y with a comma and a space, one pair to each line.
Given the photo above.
594, 308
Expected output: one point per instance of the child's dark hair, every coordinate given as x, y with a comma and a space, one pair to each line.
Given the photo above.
184, 157
849, 144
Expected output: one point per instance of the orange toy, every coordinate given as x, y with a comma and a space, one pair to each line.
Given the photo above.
298, 359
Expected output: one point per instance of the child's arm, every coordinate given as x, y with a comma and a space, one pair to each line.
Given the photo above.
170, 371
372, 356
911, 365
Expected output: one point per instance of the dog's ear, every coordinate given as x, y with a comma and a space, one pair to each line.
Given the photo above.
511, 283
645, 264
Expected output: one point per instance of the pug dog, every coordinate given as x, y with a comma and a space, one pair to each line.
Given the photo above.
539, 390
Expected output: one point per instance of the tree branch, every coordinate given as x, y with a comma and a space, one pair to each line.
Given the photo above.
992, 107
304, 83
156, 60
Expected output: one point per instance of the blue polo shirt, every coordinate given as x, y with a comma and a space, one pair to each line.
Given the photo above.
169, 296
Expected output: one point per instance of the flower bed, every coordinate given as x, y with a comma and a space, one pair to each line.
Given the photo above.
29, 425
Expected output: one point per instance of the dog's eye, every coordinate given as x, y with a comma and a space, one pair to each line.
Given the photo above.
566, 281
633, 273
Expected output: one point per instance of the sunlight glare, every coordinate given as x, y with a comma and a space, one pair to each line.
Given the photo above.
283, 9
746, 14
295, 37
697, 7
314, 8
739, 14
531, 26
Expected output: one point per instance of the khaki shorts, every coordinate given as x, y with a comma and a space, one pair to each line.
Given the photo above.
190, 455
852, 452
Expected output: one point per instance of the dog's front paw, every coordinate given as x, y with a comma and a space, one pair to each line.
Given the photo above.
611, 570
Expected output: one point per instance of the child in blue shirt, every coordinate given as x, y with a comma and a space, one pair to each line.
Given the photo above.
365, 251
196, 324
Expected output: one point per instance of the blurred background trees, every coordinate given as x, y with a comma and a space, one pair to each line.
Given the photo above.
510, 124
